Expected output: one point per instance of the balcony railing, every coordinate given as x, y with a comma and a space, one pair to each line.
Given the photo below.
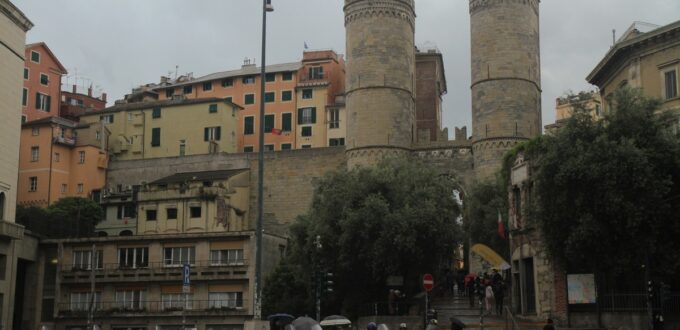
157, 307
11, 230
64, 140
115, 272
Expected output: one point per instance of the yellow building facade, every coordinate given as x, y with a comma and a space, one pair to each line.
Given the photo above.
170, 128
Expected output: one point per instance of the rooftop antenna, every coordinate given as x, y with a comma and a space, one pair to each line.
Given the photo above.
613, 37
176, 69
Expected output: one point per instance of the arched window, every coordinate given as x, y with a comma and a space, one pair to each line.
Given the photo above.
2, 206
102, 234
126, 233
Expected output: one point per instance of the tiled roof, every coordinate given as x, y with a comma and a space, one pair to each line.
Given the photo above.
164, 103
198, 176
247, 70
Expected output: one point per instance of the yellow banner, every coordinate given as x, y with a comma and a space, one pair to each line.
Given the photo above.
490, 256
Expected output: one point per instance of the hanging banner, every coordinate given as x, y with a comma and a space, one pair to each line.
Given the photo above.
581, 289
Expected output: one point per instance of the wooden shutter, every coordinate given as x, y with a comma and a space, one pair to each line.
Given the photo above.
206, 132
313, 115
49, 102
285, 122
218, 133
37, 100
156, 136
300, 111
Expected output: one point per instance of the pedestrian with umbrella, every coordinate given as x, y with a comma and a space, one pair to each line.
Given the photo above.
457, 324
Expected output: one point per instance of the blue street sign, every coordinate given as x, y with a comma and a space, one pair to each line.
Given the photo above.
186, 279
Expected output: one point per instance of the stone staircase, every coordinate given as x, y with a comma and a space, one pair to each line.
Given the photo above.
459, 307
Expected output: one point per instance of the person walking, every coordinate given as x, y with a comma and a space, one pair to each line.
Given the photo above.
489, 299
549, 325
449, 282
499, 294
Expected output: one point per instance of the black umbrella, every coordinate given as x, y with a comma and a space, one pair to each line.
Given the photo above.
306, 323
280, 316
457, 324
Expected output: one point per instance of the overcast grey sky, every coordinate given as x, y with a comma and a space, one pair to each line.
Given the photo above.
119, 44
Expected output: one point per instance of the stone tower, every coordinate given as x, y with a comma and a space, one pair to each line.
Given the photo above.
380, 75
506, 79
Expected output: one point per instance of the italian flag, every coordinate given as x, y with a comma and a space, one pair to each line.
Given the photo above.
501, 226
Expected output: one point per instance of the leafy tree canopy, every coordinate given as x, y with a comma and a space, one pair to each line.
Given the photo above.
68, 217
482, 205
607, 193
394, 219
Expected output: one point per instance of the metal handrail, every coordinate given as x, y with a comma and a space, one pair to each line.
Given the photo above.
198, 264
158, 306
508, 313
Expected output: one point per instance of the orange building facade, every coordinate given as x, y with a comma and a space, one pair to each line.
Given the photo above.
76, 102
42, 83
60, 158
319, 70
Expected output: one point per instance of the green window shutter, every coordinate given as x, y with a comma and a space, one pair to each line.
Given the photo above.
248, 125
269, 97
300, 111
156, 112
268, 123
286, 95
313, 115
218, 133
213, 108
49, 102
24, 97
37, 100
206, 132
229, 99
156, 137
286, 122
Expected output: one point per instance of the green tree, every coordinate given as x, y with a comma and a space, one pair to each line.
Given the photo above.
607, 193
67, 217
394, 219
482, 205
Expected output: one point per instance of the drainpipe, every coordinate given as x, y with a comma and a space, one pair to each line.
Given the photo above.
49, 177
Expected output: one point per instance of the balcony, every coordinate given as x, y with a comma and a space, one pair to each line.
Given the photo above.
156, 308
157, 271
11, 230
64, 140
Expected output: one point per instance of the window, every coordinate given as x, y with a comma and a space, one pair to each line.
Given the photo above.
286, 146
80, 301
248, 125
229, 99
211, 133
25, 73
83, 259
35, 154
35, 131
169, 92
24, 97
268, 123
268, 147
336, 142
248, 80
269, 97
248, 149
57, 157
249, 99
306, 146
671, 84
306, 116
182, 147
3, 265
286, 122
42, 102
155, 136
156, 112
79, 188
176, 301
97, 135
35, 56
227, 82
23, 119
107, 119
225, 299
151, 215
207, 86
316, 72
307, 131
177, 256
598, 110
130, 299
269, 77
212, 108
64, 188
286, 96
44, 79
195, 211
137, 257
126, 211
226, 257
334, 121
172, 213
81, 157
307, 94
188, 89
287, 76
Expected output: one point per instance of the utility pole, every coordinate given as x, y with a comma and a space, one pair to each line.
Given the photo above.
93, 301
317, 243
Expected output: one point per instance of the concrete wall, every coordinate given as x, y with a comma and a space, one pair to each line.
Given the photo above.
506, 85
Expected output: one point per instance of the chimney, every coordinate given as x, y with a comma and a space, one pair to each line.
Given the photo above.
89, 91
164, 79
75, 89
103, 97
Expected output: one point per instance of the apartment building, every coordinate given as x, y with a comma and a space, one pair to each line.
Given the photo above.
319, 71
195, 219
169, 128
78, 100
430, 87
42, 82
61, 158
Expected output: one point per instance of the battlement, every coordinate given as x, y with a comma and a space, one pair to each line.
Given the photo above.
362, 9
478, 5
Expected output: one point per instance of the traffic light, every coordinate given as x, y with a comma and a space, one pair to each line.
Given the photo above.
650, 289
328, 283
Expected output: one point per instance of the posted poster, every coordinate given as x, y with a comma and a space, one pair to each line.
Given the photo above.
581, 289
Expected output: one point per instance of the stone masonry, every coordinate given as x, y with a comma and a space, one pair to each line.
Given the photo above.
506, 79
380, 78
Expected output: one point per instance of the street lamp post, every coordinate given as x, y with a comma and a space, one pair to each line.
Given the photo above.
266, 7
